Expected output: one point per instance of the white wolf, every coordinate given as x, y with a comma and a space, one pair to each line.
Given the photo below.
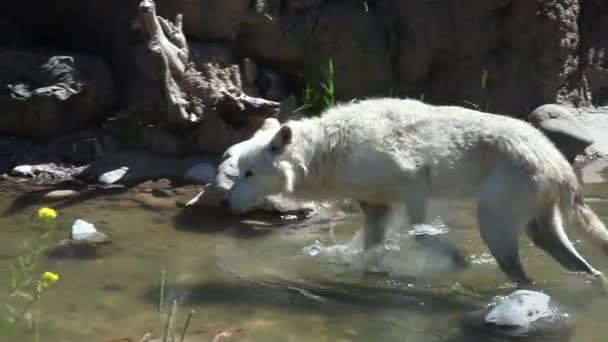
385, 151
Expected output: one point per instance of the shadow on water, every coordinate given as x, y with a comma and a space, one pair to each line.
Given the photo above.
213, 222
328, 297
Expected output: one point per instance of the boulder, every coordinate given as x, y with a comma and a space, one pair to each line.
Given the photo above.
50, 93
563, 128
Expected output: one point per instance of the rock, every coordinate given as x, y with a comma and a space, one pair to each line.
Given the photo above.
596, 121
23, 171
163, 192
250, 71
288, 109
273, 85
85, 233
202, 173
84, 146
523, 315
520, 308
50, 93
12, 151
129, 166
530, 52
84, 242
156, 203
61, 194
137, 135
560, 125
49, 172
113, 176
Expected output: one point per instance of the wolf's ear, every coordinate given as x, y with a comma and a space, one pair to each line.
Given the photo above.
281, 139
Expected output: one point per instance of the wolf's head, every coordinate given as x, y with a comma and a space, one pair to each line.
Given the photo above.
261, 166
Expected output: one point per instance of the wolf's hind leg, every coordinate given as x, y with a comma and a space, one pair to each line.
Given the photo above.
547, 232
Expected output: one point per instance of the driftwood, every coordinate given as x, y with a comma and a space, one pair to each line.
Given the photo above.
189, 96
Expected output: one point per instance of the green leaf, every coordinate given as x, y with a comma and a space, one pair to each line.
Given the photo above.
2, 326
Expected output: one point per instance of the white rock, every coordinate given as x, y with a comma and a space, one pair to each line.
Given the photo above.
201, 173
23, 170
113, 176
520, 308
83, 231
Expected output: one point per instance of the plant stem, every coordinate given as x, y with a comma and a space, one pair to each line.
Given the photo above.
162, 290
26, 308
186, 326
168, 321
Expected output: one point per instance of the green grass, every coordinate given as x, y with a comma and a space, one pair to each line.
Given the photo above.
320, 90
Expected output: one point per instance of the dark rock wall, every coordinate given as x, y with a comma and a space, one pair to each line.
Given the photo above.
504, 56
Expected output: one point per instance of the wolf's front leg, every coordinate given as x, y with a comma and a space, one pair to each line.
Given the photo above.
376, 217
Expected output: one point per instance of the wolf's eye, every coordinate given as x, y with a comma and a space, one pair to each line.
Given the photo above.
248, 173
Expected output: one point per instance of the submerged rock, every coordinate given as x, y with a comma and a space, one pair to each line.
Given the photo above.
520, 308
522, 316
83, 242
85, 233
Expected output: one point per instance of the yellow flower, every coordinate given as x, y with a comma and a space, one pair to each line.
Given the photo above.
47, 213
49, 278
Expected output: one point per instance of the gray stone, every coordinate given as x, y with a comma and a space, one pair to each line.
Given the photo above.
50, 93
563, 128
202, 173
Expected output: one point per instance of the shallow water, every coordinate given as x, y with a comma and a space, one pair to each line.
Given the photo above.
281, 283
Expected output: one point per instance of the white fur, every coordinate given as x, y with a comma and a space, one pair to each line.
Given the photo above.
386, 151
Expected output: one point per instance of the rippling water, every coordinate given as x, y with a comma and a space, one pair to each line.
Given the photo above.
302, 281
